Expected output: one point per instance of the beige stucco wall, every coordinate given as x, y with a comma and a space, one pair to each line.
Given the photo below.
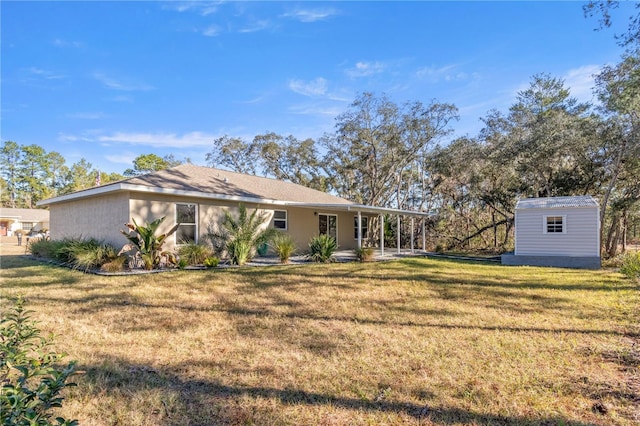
302, 223
103, 217
98, 217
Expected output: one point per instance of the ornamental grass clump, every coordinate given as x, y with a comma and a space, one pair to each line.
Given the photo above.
41, 247
84, 254
194, 253
284, 246
364, 254
322, 248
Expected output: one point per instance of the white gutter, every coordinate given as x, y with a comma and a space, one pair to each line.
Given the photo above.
119, 187
361, 208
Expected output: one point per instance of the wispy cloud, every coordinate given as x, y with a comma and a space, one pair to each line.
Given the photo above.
212, 31
124, 158
58, 42
121, 98
161, 140
203, 8
311, 15
123, 85
255, 26
317, 87
581, 81
40, 73
86, 115
317, 109
365, 69
445, 73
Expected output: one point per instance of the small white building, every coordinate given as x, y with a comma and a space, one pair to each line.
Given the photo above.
557, 231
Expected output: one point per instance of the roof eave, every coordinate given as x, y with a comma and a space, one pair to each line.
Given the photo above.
362, 208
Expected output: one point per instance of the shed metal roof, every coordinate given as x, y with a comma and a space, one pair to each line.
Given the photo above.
577, 201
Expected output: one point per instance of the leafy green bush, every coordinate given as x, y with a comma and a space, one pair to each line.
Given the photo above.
194, 253
631, 265
31, 380
364, 254
284, 246
322, 248
211, 262
148, 244
241, 235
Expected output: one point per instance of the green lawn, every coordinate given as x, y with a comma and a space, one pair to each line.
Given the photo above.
416, 341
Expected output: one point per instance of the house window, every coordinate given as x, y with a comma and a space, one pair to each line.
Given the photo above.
280, 219
364, 224
328, 225
186, 218
554, 224
27, 226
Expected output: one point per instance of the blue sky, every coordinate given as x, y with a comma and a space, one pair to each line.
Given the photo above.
107, 81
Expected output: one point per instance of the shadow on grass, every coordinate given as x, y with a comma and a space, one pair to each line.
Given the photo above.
203, 401
24, 272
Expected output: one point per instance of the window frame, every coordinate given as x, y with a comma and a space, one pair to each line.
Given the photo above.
194, 224
285, 220
328, 215
365, 228
563, 224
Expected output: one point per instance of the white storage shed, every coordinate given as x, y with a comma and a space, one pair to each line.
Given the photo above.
557, 231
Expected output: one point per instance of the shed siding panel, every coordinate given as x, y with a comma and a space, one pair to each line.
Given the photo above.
580, 238
100, 217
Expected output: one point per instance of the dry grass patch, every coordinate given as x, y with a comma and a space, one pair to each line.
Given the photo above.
416, 341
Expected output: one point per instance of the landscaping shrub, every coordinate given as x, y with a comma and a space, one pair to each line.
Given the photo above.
41, 247
364, 254
83, 254
631, 265
115, 265
31, 378
86, 254
148, 244
322, 248
211, 262
240, 236
194, 253
284, 246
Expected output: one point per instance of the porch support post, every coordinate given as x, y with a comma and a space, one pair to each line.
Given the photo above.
359, 229
424, 236
381, 235
398, 234
412, 224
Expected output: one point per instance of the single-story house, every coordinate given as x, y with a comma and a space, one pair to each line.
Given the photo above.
557, 231
196, 197
27, 220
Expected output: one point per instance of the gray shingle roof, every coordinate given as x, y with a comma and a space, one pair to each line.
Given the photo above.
557, 202
188, 177
25, 215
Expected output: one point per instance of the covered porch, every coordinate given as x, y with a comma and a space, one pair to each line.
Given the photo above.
399, 216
